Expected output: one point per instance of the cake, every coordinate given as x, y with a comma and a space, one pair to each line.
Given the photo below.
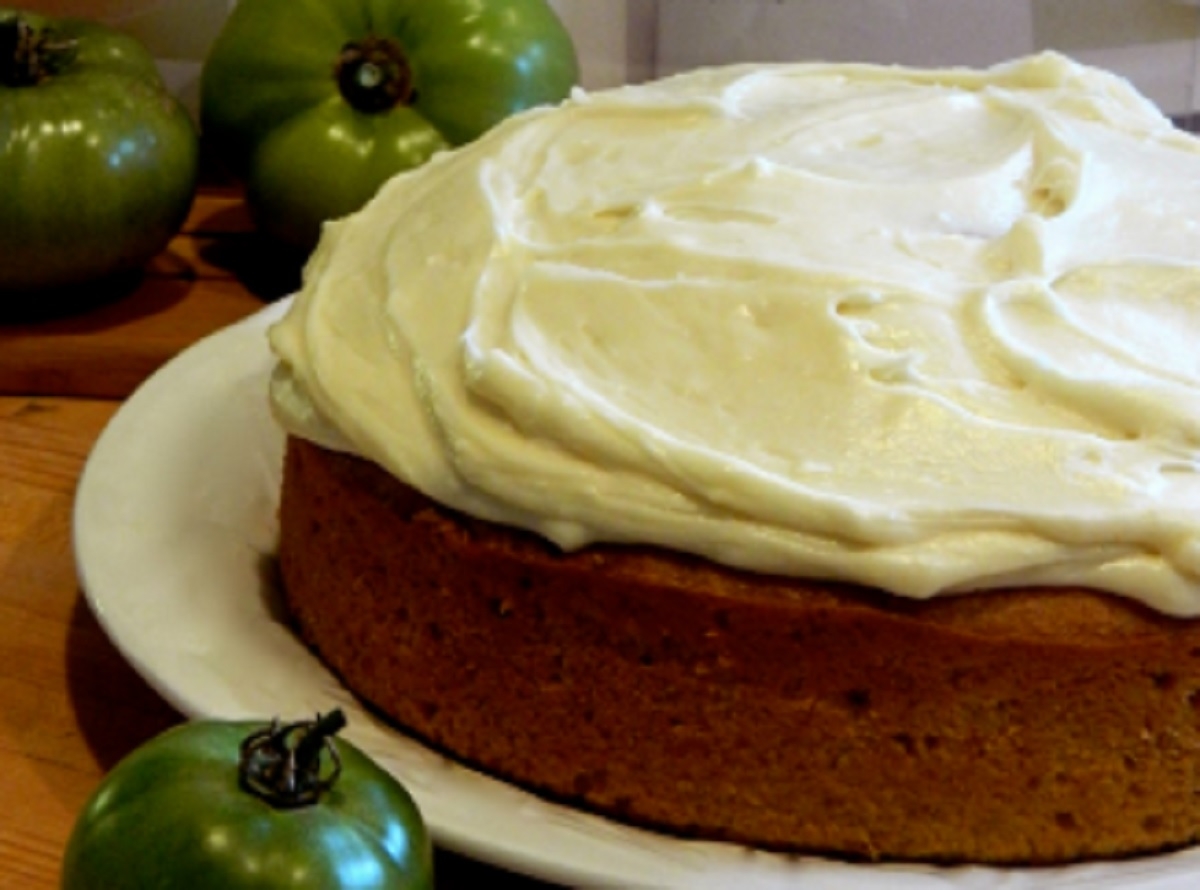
805, 456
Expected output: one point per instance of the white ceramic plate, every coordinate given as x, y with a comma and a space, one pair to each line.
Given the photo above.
174, 530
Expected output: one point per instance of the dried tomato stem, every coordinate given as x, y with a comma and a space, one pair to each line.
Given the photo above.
29, 55
282, 763
374, 74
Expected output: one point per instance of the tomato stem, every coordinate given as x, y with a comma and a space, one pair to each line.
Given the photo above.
282, 763
29, 55
374, 75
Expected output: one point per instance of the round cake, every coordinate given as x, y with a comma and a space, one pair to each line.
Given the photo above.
805, 456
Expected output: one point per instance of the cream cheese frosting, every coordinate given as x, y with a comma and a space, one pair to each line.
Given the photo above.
929, 331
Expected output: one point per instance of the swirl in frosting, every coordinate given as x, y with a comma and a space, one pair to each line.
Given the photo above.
929, 331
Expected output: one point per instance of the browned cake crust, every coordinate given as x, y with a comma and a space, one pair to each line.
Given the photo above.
1032, 726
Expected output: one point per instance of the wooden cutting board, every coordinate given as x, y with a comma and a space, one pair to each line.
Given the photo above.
215, 272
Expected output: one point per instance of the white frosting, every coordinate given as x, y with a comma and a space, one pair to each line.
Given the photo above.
924, 330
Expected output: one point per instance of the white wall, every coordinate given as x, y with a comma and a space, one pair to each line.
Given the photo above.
615, 39
908, 32
1155, 43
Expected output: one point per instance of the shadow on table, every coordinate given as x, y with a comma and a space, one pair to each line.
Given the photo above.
455, 872
118, 299
266, 268
116, 709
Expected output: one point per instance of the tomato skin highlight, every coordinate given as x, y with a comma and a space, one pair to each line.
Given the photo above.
174, 813
316, 103
98, 161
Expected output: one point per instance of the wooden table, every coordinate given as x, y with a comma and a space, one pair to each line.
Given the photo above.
70, 707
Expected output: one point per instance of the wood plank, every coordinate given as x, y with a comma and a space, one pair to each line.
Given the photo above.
34, 831
218, 210
45, 441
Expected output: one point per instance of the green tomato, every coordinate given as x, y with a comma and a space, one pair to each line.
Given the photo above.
98, 161
214, 805
318, 102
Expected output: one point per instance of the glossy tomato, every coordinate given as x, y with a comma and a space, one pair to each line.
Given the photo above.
98, 161
318, 102
214, 805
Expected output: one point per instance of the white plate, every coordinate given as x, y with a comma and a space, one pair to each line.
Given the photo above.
174, 530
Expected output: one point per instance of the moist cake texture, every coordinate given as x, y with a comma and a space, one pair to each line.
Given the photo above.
802, 455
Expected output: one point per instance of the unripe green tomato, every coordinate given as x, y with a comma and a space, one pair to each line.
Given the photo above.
316, 103
98, 161
180, 812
